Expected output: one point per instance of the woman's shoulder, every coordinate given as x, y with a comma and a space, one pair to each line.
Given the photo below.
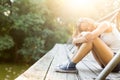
106, 25
105, 22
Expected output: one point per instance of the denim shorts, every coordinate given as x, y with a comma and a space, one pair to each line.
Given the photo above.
117, 68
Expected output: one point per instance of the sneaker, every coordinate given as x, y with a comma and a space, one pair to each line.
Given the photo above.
65, 68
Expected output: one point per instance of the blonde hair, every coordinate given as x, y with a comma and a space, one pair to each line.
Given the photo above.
86, 20
89, 21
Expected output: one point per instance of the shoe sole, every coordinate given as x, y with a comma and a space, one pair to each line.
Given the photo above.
66, 71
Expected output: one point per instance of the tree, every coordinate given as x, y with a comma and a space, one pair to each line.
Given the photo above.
32, 28
29, 28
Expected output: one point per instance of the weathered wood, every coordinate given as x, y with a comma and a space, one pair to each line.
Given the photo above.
109, 67
92, 69
86, 69
70, 51
43, 69
59, 58
38, 71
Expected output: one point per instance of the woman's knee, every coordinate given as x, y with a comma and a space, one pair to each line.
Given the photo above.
88, 45
97, 40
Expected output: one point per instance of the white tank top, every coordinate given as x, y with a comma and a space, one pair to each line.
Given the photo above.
112, 39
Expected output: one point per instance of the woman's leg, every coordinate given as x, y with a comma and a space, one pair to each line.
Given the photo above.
102, 51
84, 49
97, 58
103, 54
70, 65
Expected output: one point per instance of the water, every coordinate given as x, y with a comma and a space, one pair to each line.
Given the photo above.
10, 71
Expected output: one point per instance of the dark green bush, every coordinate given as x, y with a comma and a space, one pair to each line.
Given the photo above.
30, 29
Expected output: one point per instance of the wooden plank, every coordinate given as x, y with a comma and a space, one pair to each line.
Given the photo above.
92, 66
39, 70
59, 58
84, 72
43, 69
82, 68
52, 75
71, 76
90, 62
69, 46
70, 52
95, 66
114, 75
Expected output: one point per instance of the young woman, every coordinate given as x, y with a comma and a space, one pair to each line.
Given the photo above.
101, 38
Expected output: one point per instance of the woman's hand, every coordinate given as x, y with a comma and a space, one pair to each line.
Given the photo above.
88, 36
79, 39
83, 37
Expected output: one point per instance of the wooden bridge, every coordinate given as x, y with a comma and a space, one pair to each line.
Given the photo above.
43, 69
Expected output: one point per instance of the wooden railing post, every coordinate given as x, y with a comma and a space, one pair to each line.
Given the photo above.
111, 65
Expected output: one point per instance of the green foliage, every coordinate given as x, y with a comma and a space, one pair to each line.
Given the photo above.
6, 42
33, 48
31, 30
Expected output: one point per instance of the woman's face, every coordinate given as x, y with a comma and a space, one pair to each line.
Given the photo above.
86, 27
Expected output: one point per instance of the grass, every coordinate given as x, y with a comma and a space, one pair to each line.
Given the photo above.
9, 71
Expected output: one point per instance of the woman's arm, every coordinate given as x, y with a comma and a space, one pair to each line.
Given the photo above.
79, 39
102, 27
109, 15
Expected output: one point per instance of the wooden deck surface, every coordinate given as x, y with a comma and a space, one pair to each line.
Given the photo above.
43, 69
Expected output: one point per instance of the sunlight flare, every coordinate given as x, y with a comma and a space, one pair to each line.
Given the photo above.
80, 3
80, 6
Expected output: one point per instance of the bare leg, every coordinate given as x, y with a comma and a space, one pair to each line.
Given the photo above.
103, 52
97, 58
84, 49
